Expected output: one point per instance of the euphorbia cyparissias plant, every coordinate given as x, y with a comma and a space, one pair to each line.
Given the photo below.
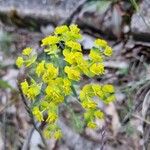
55, 75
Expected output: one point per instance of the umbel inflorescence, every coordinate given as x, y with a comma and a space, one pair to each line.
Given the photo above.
54, 76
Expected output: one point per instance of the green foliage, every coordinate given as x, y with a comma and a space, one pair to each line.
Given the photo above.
5, 41
4, 85
135, 5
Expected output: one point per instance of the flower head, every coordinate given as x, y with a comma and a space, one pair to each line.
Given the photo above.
38, 114
108, 51
96, 56
97, 69
83, 66
97, 89
74, 28
51, 117
66, 86
58, 134
89, 104
50, 40
73, 45
27, 51
33, 91
99, 114
91, 125
25, 87
108, 88
109, 99
50, 73
101, 43
72, 73
61, 29
73, 57
40, 69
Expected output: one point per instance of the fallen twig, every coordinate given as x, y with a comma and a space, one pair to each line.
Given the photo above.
103, 138
26, 144
140, 118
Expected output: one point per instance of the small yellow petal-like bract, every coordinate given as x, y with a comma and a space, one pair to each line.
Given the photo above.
95, 56
82, 96
108, 88
50, 40
72, 73
98, 90
73, 45
83, 66
73, 57
61, 29
57, 98
74, 28
38, 114
33, 91
52, 117
87, 90
40, 68
89, 104
51, 72
108, 51
19, 62
58, 134
27, 51
101, 43
109, 99
97, 69
25, 87
66, 86
91, 125
99, 114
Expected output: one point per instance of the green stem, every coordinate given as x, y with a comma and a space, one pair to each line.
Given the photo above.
134, 4
74, 92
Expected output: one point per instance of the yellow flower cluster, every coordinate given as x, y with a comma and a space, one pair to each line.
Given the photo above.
53, 131
57, 90
28, 59
61, 30
103, 45
38, 114
70, 33
32, 90
73, 45
50, 40
55, 75
50, 72
78, 65
27, 51
87, 94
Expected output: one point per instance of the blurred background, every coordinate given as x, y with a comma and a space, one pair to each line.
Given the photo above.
125, 24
